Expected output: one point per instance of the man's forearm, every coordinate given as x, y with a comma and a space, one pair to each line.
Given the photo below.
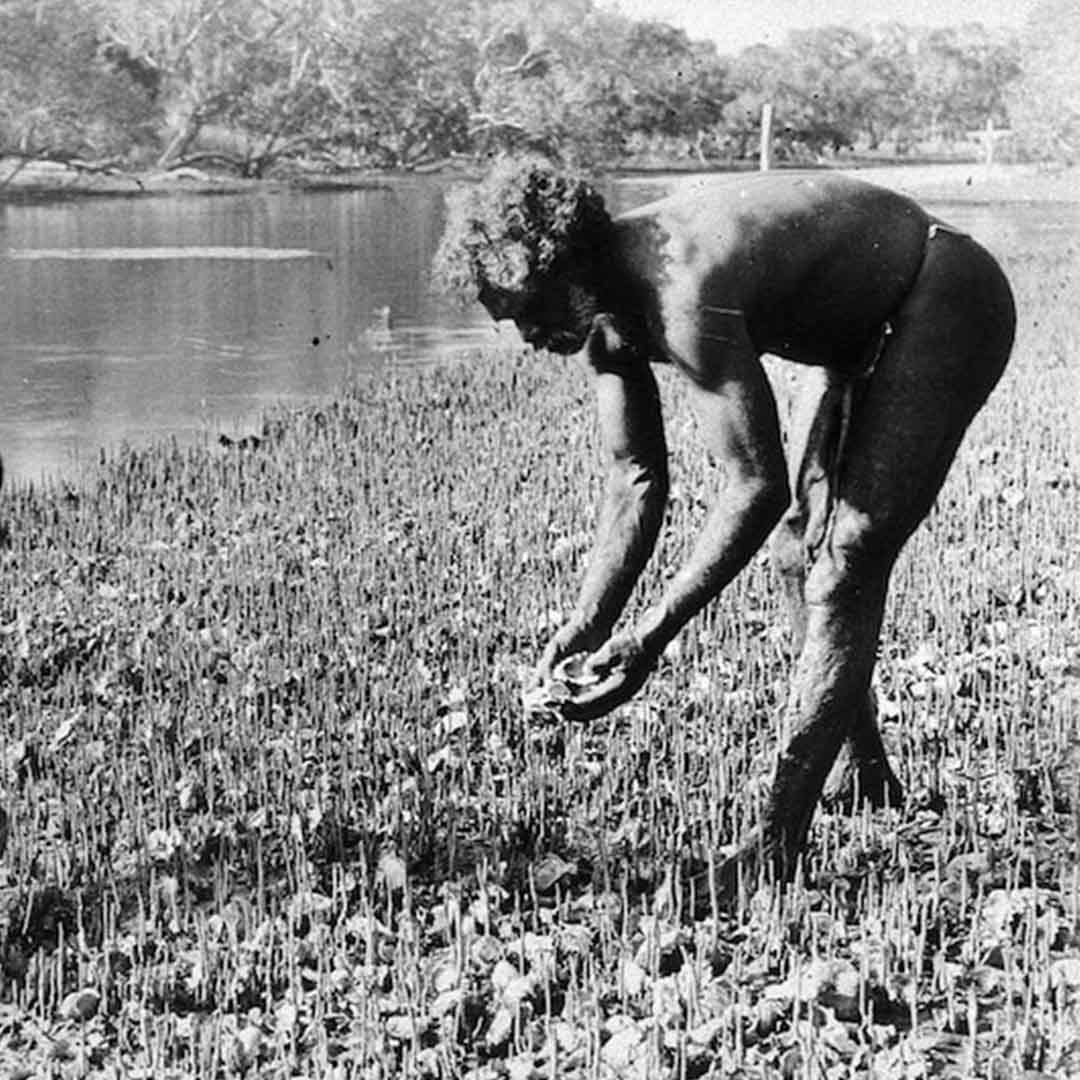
630, 520
734, 530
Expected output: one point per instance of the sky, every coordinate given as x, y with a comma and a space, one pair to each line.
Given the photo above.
734, 24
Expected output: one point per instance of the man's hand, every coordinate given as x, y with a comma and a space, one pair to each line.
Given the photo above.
610, 677
570, 639
583, 686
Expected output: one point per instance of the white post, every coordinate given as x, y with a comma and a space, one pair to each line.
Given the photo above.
765, 153
989, 137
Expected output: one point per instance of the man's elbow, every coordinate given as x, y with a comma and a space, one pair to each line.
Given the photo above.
764, 499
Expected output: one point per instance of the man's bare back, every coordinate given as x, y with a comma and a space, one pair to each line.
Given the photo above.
807, 267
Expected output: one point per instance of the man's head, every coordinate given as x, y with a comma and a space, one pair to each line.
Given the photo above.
527, 243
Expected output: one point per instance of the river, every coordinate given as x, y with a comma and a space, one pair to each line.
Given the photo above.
130, 319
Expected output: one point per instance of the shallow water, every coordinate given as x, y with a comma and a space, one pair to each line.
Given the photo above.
129, 319
134, 318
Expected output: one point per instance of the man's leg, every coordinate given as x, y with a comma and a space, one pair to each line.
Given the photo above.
862, 769
951, 341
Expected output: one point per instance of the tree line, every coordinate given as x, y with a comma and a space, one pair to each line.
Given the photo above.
255, 85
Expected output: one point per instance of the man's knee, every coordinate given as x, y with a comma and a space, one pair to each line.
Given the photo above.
855, 558
787, 547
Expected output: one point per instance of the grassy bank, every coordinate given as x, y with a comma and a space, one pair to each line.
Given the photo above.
270, 807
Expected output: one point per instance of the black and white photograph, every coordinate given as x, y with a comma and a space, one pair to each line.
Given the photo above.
539, 539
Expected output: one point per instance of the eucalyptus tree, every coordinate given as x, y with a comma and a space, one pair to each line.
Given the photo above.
243, 70
61, 96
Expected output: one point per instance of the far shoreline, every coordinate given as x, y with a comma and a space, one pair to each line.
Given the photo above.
41, 182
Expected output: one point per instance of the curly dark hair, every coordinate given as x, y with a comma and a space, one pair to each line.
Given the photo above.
522, 220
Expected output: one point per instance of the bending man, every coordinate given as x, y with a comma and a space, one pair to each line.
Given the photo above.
911, 323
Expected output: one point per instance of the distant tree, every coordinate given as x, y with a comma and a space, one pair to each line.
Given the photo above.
675, 86
248, 64
62, 95
552, 79
835, 88
830, 86
408, 83
570, 78
962, 76
756, 77
887, 81
277, 111
1044, 103
180, 41
399, 81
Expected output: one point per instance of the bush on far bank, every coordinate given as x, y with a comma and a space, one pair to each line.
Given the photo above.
253, 88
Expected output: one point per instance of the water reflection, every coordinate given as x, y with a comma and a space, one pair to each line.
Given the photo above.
129, 319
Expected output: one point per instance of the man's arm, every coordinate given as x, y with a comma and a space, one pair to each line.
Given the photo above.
742, 432
741, 429
635, 494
